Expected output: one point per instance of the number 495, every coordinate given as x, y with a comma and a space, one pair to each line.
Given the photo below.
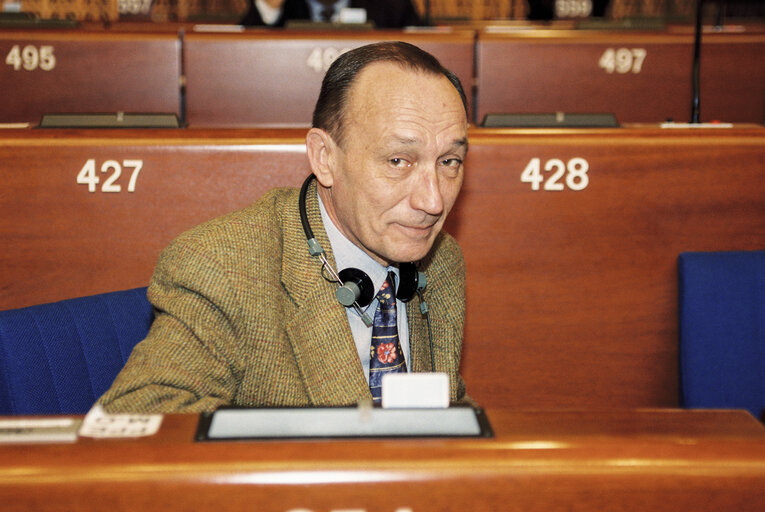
30, 58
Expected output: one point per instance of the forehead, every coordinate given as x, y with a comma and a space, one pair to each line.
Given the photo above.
388, 89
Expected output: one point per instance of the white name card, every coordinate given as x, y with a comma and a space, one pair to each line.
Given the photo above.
415, 391
98, 423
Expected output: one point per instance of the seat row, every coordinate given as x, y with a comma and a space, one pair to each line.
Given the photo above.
268, 78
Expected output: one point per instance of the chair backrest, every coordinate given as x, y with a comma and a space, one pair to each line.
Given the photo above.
722, 330
59, 358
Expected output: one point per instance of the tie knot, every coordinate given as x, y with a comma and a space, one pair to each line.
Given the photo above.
385, 355
387, 292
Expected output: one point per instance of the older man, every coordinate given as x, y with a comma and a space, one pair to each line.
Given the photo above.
246, 310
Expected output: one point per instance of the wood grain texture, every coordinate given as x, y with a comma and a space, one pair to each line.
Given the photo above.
539, 461
572, 296
63, 241
94, 72
263, 78
558, 71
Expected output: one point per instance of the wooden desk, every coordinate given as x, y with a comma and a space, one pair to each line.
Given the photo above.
647, 460
60, 71
270, 78
640, 77
571, 293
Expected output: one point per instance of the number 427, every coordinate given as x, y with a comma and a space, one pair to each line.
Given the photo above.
88, 176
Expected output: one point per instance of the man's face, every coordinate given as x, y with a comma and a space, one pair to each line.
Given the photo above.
400, 167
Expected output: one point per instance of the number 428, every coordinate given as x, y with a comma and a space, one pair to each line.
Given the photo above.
575, 172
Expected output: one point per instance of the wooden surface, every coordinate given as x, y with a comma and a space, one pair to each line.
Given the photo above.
272, 78
93, 72
571, 295
651, 460
558, 71
268, 78
63, 241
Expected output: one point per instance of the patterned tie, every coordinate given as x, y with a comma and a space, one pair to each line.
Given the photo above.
385, 355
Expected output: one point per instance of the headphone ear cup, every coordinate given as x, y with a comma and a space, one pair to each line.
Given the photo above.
408, 278
357, 287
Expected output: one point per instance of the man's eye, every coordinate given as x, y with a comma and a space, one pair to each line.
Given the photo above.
398, 162
451, 162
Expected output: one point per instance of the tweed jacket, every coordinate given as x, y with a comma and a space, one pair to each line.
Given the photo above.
244, 317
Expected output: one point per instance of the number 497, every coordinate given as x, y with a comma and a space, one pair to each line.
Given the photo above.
113, 170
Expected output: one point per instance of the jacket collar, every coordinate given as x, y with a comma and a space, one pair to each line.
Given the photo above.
318, 326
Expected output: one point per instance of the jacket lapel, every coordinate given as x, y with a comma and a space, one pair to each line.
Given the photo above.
317, 325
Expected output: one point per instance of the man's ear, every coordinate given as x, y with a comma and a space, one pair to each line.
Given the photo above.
322, 155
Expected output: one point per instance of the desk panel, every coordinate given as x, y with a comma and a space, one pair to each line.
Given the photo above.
626, 460
66, 239
62, 71
640, 77
267, 78
572, 292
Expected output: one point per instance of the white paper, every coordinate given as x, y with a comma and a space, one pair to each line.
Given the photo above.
353, 15
39, 430
98, 423
415, 390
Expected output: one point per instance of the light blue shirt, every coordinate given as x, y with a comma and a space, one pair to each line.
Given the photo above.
348, 255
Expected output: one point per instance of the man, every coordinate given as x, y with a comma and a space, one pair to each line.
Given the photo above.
246, 316
275, 13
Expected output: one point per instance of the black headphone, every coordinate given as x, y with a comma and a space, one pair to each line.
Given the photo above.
355, 288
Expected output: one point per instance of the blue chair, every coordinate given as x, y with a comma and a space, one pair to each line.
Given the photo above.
59, 358
722, 330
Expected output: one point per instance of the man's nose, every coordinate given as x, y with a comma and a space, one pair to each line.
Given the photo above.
426, 195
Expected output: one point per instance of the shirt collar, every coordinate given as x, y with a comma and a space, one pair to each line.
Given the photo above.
349, 255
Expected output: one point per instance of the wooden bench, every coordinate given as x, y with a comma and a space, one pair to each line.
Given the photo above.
571, 292
638, 76
61, 71
272, 78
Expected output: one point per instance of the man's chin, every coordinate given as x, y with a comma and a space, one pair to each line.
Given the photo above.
410, 252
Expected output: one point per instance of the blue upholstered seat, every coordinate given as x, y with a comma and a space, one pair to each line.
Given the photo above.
59, 358
722, 330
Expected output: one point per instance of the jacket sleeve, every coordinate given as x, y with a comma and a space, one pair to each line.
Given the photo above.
186, 363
